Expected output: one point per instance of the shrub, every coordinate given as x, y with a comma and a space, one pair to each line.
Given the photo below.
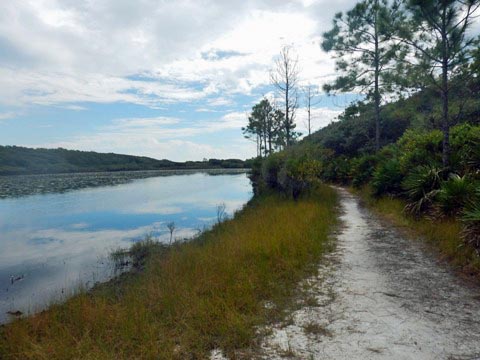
455, 194
297, 175
255, 174
471, 221
387, 178
419, 148
421, 187
362, 169
465, 147
336, 169
271, 167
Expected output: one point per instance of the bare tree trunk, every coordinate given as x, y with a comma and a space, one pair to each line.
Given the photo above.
270, 139
309, 99
377, 90
445, 109
285, 78
259, 146
287, 120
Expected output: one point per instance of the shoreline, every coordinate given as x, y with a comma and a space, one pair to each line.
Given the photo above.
197, 296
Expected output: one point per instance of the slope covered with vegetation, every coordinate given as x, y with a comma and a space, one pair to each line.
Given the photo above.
15, 160
415, 157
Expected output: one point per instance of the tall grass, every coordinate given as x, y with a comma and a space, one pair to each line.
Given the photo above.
209, 293
444, 235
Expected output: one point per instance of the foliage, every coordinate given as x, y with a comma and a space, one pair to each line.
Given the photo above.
266, 125
421, 186
365, 49
270, 170
465, 143
387, 178
455, 194
297, 175
471, 220
438, 33
362, 169
420, 148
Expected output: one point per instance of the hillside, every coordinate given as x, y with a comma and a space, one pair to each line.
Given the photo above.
15, 160
354, 133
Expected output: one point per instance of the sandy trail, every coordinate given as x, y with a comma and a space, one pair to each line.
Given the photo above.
380, 296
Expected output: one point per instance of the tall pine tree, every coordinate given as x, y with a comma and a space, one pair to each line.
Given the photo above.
365, 50
437, 33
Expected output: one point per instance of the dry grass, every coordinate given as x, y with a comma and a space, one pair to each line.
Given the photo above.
313, 328
209, 293
443, 235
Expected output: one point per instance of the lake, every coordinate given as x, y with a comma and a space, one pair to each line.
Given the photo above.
58, 240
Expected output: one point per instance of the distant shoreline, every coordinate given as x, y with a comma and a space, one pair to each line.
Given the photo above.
167, 170
17, 160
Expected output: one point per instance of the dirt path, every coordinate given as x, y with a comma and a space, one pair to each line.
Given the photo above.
380, 296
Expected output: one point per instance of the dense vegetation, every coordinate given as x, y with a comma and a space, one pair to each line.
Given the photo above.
408, 168
15, 160
191, 297
418, 152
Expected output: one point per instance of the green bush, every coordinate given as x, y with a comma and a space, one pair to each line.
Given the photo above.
465, 147
271, 168
471, 221
455, 194
387, 178
421, 187
362, 169
420, 148
297, 175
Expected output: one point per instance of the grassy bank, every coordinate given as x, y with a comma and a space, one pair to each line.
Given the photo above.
209, 293
442, 235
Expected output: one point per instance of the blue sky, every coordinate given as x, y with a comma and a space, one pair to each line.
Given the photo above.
171, 79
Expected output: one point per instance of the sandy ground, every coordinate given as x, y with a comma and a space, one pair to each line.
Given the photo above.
380, 296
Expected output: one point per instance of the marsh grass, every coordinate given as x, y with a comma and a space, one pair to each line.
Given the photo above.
444, 235
191, 297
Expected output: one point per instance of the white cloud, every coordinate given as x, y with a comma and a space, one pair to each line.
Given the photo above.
8, 115
59, 51
162, 137
320, 117
67, 53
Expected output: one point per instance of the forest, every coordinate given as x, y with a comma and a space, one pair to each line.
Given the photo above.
16, 160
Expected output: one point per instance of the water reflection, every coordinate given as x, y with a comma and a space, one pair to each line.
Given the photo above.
51, 243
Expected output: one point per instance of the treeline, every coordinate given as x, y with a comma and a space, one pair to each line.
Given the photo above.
15, 160
422, 145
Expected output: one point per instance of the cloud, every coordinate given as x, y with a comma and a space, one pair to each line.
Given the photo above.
213, 56
320, 117
162, 137
142, 123
67, 51
8, 115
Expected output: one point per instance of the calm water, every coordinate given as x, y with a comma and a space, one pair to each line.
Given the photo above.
51, 243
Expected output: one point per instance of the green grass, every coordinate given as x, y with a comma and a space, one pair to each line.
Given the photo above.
443, 235
209, 293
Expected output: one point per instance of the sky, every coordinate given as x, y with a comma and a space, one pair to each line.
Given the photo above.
165, 79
